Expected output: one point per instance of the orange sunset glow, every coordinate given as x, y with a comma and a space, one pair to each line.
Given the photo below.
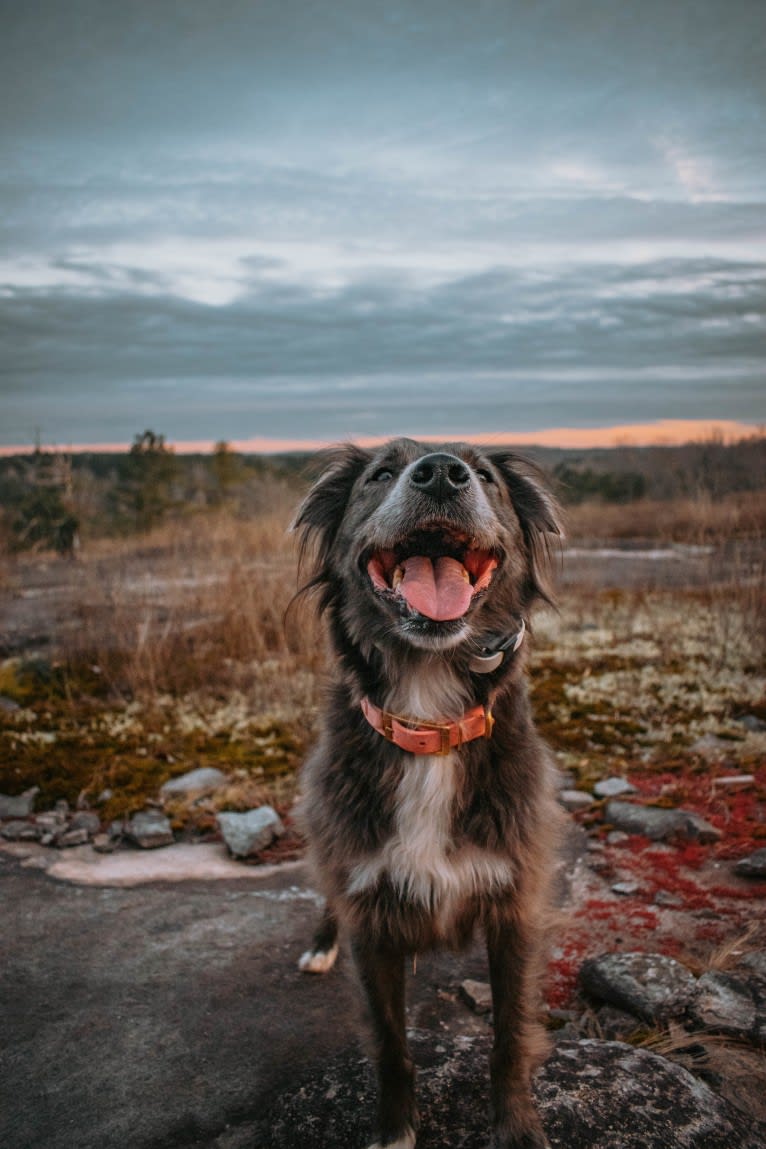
662, 433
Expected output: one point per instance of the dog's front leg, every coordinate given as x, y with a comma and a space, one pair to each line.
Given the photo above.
519, 1041
381, 971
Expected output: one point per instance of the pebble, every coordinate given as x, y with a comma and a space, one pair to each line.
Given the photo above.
104, 844
613, 787
626, 889
477, 994
666, 898
574, 800
19, 831
71, 838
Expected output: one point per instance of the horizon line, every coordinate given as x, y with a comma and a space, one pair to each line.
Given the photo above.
659, 433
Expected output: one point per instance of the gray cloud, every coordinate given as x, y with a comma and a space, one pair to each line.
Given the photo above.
317, 217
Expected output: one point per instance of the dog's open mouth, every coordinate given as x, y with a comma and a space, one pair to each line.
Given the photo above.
437, 573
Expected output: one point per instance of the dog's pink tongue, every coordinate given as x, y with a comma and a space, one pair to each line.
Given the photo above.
440, 590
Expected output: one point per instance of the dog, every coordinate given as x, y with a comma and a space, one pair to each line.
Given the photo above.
428, 803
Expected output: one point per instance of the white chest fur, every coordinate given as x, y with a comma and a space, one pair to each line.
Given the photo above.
421, 858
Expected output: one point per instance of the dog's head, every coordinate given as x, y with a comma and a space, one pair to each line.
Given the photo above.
428, 546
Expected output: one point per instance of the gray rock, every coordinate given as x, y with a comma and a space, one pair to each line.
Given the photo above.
104, 844
752, 723
574, 800
149, 829
477, 994
19, 831
246, 834
50, 820
754, 960
659, 824
613, 787
8, 705
606, 1095
591, 1094
753, 866
19, 806
626, 889
666, 898
86, 820
70, 838
651, 986
201, 781
731, 1003
617, 837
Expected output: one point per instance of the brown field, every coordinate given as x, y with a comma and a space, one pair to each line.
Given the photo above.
149, 656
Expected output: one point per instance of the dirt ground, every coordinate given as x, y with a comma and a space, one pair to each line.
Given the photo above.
165, 1015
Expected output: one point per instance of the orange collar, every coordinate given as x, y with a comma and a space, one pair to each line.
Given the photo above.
417, 736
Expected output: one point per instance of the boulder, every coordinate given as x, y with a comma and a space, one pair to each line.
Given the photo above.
659, 824
651, 986
591, 1094
247, 834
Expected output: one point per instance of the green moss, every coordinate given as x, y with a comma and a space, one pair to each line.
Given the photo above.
68, 754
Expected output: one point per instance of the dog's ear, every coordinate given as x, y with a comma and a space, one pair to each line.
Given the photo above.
320, 515
538, 512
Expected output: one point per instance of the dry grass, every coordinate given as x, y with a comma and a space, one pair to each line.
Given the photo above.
194, 608
697, 521
180, 635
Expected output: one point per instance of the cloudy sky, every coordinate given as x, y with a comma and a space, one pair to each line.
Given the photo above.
326, 218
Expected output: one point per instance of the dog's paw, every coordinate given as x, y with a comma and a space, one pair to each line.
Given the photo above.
318, 961
406, 1141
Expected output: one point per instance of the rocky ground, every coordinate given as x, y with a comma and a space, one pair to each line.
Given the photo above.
654, 701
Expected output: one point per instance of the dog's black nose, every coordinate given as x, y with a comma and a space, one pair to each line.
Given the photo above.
440, 475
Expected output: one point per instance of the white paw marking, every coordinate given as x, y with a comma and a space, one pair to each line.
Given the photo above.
318, 961
405, 1142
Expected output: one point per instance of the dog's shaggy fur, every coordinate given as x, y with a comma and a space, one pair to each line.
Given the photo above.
427, 562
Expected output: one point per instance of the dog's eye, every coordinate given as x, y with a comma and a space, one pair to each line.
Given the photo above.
484, 475
384, 475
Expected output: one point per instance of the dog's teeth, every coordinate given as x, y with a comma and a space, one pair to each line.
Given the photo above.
466, 576
397, 577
